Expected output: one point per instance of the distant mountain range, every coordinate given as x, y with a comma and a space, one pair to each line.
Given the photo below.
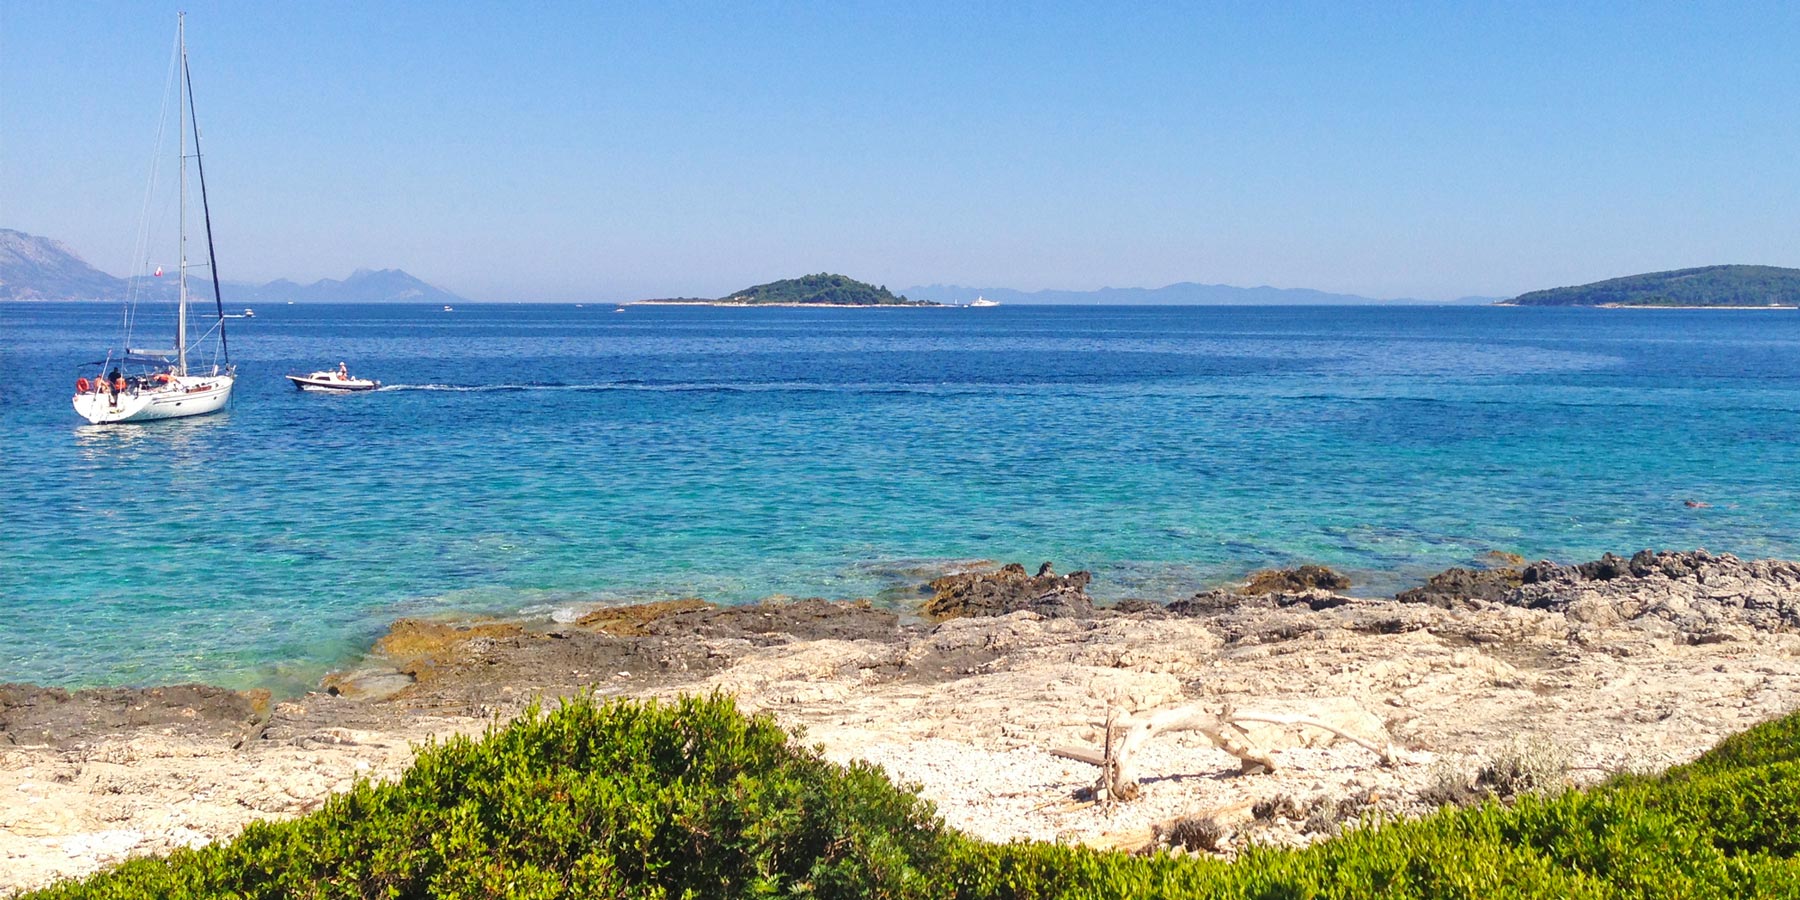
1716, 286
38, 268
1185, 293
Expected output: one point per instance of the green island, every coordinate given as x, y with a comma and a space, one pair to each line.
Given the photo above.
691, 798
1755, 287
823, 289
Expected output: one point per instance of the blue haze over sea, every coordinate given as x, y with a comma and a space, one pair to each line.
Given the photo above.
531, 459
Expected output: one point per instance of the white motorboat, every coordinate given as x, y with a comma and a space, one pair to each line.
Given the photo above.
333, 381
984, 302
196, 376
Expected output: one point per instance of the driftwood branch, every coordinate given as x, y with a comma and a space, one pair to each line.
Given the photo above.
1119, 776
1385, 752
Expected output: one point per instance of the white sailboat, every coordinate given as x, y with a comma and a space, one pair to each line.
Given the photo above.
196, 376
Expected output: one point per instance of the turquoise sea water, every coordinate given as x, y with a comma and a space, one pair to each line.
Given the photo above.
535, 458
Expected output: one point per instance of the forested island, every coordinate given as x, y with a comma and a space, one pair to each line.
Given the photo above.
823, 289
1708, 286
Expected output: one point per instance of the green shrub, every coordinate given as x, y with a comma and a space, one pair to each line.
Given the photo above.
1774, 741
640, 800
691, 799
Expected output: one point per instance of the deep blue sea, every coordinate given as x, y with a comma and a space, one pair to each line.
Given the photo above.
537, 458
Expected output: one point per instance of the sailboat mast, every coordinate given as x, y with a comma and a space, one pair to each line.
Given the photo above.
212, 255
181, 250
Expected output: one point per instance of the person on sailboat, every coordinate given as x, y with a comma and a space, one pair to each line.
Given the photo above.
116, 381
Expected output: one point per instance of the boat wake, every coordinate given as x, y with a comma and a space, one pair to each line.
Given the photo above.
728, 387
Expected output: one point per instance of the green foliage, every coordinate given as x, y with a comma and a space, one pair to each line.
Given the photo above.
626, 800
1774, 741
822, 289
693, 800
1707, 286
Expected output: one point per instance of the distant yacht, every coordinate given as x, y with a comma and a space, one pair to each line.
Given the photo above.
983, 301
448, 309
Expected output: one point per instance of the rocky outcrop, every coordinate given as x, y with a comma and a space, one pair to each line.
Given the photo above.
1308, 586
1010, 590
1274, 618
1692, 596
1695, 593
1455, 588
466, 664
635, 619
1289, 581
32, 715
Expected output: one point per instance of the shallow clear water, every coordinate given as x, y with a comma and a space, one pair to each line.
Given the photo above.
537, 457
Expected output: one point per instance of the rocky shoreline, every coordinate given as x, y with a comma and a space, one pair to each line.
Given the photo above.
1610, 665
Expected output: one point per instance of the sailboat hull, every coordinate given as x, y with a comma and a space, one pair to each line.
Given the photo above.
180, 398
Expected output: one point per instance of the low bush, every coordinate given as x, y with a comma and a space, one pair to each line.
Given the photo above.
692, 799
639, 800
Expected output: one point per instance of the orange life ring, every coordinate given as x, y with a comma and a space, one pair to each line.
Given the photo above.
82, 385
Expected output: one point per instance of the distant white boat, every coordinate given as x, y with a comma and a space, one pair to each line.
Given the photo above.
333, 381
448, 309
983, 301
620, 309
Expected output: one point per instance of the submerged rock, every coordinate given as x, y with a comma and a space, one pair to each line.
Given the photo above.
1010, 590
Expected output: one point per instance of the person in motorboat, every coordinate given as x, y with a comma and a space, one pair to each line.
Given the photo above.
343, 372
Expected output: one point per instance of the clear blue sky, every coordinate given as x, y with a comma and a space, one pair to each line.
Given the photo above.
580, 151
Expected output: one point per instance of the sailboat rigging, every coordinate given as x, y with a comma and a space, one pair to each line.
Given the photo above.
139, 385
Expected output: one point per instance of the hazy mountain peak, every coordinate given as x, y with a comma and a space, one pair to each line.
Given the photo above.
39, 268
